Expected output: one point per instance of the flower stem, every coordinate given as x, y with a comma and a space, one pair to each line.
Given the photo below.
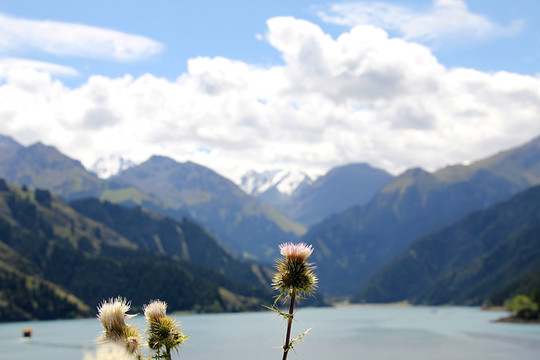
289, 325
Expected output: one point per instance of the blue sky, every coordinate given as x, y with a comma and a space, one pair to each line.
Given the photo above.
284, 84
188, 29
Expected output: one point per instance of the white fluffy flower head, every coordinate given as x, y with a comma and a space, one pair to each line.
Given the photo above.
112, 313
154, 310
110, 351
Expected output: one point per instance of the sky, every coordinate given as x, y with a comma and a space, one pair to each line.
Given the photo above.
261, 85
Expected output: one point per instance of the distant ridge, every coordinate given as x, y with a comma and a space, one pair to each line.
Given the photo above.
44, 167
8, 147
242, 223
309, 201
339, 189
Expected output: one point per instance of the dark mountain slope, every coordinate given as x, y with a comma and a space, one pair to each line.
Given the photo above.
181, 239
25, 297
50, 244
467, 262
526, 284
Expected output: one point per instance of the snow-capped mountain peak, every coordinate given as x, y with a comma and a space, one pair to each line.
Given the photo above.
111, 165
284, 181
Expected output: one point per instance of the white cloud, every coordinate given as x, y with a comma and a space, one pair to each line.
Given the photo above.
445, 19
68, 39
361, 97
361, 65
13, 64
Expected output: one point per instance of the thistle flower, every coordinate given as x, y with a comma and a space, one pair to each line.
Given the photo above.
164, 333
154, 310
293, 272
294, 276
112, 315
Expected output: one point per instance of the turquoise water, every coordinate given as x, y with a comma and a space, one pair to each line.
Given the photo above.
378, 332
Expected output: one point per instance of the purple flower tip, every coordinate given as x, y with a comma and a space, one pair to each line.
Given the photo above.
299, 251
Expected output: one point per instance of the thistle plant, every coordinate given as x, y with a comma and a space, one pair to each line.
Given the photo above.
113, 314
164, 334
110, 352
293, 280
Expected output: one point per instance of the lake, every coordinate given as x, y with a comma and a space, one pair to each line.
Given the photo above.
342, 333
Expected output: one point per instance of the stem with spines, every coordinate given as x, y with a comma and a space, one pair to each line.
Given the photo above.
289, 325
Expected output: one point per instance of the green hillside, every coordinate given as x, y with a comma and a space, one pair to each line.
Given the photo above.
26, 297
52, 252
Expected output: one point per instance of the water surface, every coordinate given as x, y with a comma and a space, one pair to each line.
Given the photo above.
372, 332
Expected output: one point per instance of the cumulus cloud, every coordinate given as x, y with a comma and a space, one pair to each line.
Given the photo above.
362, 97
361, 65
445, 19
97, 118
68, 39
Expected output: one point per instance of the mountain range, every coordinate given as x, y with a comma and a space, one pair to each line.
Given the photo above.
358, 242
250, 226
360, 220
162, 185
242, 223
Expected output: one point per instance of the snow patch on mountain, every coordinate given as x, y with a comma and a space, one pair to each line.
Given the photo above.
284, 181
106, 167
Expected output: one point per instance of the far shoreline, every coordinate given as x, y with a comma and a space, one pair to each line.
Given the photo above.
348, 304
516, 320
